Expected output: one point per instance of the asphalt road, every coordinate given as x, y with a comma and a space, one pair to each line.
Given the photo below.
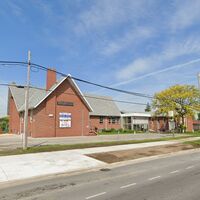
14, 141
171, 178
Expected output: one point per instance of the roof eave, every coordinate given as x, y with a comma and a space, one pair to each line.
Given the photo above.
50, 92
81, 94
18, 109
75, 86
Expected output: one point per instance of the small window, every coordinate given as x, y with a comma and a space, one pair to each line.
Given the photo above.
101, 120
109, 120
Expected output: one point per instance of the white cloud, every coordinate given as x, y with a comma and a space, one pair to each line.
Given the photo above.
165, 69
107, 13
16, 9
138, 66
186, 14
171, 51
47, 10
131, 37
190, 45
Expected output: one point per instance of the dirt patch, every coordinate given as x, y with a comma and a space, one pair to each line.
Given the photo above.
117, 156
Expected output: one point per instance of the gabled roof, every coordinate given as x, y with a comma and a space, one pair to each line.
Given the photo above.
18, 94
102, 105
37, 95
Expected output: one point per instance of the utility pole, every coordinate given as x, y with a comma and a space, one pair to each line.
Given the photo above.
25, 135
82, 123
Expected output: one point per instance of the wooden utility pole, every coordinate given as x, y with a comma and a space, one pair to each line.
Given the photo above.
25, 135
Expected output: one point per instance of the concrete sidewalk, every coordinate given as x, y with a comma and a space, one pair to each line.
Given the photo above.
14, 141
39, 164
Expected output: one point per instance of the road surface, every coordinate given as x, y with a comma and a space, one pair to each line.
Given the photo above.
171, 178
15, 141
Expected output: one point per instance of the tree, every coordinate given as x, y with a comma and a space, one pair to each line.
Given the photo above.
4, 124
148, 107
198, 116
183, 100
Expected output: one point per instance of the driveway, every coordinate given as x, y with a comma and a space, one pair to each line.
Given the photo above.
15, 141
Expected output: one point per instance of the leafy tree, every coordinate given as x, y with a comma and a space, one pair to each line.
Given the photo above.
183, 100
148, 107
198, 116
4, 124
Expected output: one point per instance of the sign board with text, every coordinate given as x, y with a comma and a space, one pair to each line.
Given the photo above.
65, 120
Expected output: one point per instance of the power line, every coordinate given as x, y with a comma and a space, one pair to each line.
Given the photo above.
13, 62
68, 93
80, 80
95, 84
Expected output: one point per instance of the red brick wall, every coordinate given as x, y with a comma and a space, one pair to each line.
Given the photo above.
46, 126
14, 125
43, 125
196, 121
158, 124
30, 124
189, 124
51, 79
94, 123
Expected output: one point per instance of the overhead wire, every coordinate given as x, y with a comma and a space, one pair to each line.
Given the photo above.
86, 95
78, 79
95, 84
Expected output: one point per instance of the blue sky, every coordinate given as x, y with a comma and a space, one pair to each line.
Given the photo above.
142, 46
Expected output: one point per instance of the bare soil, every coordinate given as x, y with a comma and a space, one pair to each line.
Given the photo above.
118, 156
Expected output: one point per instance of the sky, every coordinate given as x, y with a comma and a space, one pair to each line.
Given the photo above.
142, 46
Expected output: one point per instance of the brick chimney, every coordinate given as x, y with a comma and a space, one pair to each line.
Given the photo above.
51, 78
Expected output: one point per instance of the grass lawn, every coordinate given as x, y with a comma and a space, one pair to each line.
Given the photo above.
49, 148
195, 143
115, 132
196, 134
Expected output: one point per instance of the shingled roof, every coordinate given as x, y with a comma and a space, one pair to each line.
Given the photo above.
36, 95
98, 105
18, 93
102, 105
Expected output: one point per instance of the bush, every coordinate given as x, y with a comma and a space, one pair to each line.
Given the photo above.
4, 124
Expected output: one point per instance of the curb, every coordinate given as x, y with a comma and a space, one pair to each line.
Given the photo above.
149, 158
95, 169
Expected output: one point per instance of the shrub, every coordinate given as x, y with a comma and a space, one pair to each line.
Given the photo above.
4, 124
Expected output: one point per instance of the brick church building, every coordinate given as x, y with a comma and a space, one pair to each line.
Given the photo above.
60, 110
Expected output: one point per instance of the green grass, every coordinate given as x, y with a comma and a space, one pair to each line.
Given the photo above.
195, 144
196, 134
115, 133
119, 131
50, 148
